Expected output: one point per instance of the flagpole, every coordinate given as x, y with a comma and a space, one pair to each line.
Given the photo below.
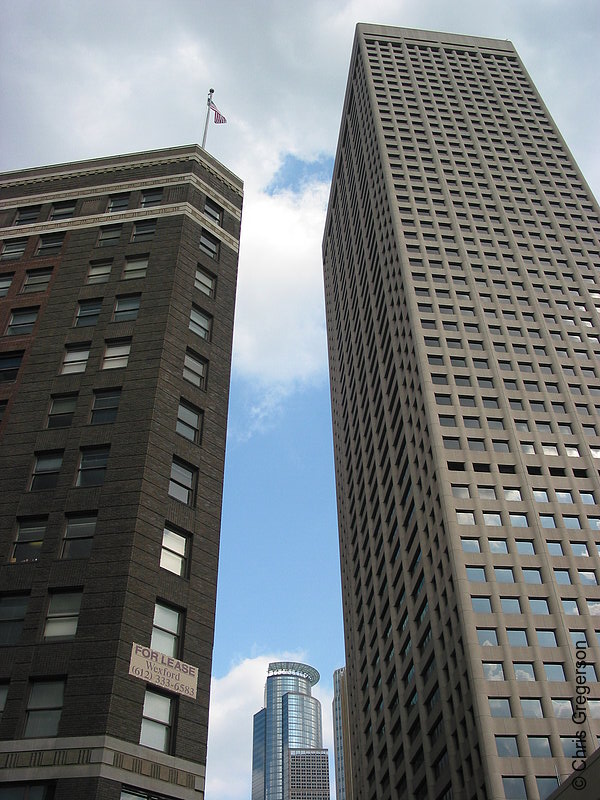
210, 94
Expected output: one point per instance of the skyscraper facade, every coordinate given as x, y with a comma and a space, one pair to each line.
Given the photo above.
118, 281
341, 730
461, 258
288, 758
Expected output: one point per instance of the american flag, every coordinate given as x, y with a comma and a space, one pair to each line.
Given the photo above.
219, 118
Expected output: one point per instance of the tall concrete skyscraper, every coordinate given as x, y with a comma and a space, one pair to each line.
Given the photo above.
288, 759
117, 282
461, 260
341, 732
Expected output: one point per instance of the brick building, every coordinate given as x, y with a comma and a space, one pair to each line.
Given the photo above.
118, 279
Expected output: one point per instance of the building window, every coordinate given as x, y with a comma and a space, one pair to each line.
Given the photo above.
88, 312
156, 721
126, 308
487, 637
116, 354
92, 466
200, 323
9, 366
79, 535
109, 235
151, 197
36, 280
63, 210
13, 249
524, 671
63, 615
99, 271
166, 630
49, 244
62, 408
500, 707
507, 746
75, 360
30, 537
182, 484
44, 708
209, 244
532, 708
195, 369
205, 282
143, 230
118, 202
517, 637
3, 696
213, 210
546, 786
46, 470
493, 671
514, 788
5, 282
189, 421
135, 268
27, 215
22, 321
106, 405
174, 551
12, 614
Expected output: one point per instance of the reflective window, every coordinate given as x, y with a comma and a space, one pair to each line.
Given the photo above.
44, 708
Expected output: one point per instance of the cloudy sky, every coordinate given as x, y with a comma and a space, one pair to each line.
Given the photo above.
86, 78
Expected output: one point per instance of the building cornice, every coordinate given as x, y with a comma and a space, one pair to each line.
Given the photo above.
119, 187
116, 218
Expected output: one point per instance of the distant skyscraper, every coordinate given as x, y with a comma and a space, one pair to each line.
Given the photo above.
288, 759
117, 291
341, 732
462, 284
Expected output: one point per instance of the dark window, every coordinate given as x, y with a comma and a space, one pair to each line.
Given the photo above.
5, 282
99, 271
144, 230
195, 369
213, 210
13, 249
109, 235
200, 323
75, 360
63, 615
49, 244
62, 408
63, 210
30, 536
106, 405
118, 202
79, 535
151, 197
36, 280
157, 719
27, 215
9, 366
12, 614
46, 470
88, 312
189, 421
205, 282
126, 308
135, 268
92, 466
174, 551
44, 708
182, 484
209, 244
22, 321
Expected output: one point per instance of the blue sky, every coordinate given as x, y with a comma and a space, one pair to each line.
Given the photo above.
279, 71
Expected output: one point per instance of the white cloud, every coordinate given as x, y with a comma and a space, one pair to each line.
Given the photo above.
234, 700
279, 335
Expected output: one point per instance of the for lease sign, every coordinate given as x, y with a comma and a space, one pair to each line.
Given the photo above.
163, 670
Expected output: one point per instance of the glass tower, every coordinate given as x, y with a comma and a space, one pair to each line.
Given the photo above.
462, 284
289, 723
